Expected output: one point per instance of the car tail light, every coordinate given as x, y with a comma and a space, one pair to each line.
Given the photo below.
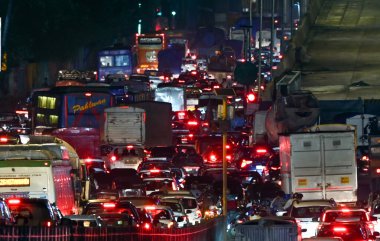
150, 208
199, 213
181, 115
3, 139
340, 229
147, 226
378, 170
174, 187
113, 158
261, 151
228, 157
14, 201
244, 163
109, 205
193, 72
154, 170
275, 168
48, 224
192, 123
216, 86
129, 147
212, 158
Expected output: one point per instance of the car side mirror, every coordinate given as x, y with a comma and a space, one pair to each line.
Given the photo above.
375, 234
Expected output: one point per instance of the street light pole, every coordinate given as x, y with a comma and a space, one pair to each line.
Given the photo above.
224, 143
260, 42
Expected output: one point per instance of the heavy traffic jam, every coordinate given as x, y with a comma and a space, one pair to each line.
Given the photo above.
144, 148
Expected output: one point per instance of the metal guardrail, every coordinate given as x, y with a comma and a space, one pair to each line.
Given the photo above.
209, 230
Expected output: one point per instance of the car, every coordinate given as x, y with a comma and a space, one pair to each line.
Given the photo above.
253, 158
213, 155
189, 203
307, 214
163, 216
188, 158
348, 231
178, 211
124, 157
110, 210
150, 169
160, 153
85, 221
346, 214
33, 212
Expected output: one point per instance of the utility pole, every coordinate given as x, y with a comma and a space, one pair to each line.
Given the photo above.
260, 42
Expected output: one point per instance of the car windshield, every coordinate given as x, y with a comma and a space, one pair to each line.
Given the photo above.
155, 185
189, 203
176, 207
307, 212
162, 152
31, 213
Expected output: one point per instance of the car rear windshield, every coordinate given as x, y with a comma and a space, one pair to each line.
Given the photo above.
31, 213
307, 212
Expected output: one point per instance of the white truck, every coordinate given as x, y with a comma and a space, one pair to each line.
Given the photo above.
128, 130
320, 164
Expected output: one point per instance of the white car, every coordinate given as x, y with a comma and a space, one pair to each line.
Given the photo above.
124, 157
189, 203
308, 212
178, 210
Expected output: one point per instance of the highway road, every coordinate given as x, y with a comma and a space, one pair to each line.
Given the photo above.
343, 48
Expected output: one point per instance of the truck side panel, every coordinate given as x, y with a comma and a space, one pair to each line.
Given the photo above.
158, 127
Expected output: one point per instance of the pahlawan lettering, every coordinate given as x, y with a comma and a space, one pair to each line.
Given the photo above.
88, 105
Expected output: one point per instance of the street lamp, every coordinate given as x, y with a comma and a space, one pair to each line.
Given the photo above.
139, 27
173, 19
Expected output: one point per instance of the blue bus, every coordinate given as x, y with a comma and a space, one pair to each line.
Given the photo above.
71, 106
115, 61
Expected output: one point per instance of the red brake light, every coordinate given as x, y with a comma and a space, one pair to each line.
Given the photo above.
261, 151
109, 205
193, 72
147, 226
251, 97
88, 160
228, 157
88, 94
48, 224
192, 123
14, 201
275, 168
150, 208
378, 170
113, 158
340, 229
244, 163
154, 170
212, 158
3, 139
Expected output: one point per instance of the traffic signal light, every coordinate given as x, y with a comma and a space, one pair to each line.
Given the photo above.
251, 98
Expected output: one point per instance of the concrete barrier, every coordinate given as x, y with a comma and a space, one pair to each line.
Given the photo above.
299, 38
